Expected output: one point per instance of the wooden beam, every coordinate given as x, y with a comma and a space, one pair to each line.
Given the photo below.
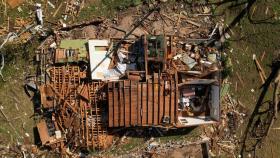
239, 78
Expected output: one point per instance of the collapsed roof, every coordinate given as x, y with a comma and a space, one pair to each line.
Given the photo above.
90, 86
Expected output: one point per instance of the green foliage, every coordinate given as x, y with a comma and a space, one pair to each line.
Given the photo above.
227, 66
107, 8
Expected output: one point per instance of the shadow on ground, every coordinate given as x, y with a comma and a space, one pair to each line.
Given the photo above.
259, 122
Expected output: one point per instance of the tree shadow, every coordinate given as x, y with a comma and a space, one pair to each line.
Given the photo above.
240, 16
259, 120
148, 132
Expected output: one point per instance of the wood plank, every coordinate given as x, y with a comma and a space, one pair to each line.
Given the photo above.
150, 104
124, 98
167, 98
156, 114
144, 104
130, 102
172, 103
121, 104
170, 100
127, 103
134, 103
116, 107
153, 99
161, 94
176, 97
110, 107
158, 99
138, 104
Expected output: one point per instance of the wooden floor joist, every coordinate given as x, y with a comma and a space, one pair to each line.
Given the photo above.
142, 103
67, 82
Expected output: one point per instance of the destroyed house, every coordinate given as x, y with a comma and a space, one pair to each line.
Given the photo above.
157, 95
94, 85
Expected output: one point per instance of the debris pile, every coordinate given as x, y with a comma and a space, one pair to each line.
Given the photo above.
198, 148
224, 137
154, 147
164, 72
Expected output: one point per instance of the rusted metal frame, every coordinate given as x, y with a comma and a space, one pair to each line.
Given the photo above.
147, 101
124, 102
159, 88
153, 99
130, 103
141, 112
170, 99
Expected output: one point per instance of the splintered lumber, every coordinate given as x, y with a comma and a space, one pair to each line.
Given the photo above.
192, 22
58, 8
168, 17
260, 69
254, 9
179, 19
79, 25
187, 20
263, 54
276, 128
240, 79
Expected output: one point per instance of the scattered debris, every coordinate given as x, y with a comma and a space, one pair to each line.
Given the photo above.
223, 136
91, 86
14, 3
260, 69
163, 73
39, 14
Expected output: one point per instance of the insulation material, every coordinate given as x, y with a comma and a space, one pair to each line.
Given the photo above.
99, 58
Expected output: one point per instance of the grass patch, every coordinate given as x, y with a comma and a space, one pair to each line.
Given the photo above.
16, 104
106, 8
255, 33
